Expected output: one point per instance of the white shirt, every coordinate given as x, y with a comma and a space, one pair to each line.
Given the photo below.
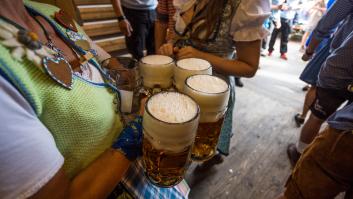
29, 157
247, 23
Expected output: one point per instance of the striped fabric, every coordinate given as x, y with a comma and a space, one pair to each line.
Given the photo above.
337, 72
165, 15
337, 13
139, 186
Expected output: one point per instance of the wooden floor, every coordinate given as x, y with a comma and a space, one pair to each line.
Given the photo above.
257, 167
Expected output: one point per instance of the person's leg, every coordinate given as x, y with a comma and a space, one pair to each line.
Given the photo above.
304, 38
308, 101
273, 40
135, 43
327, 101
150, 33
285, 31
325, 168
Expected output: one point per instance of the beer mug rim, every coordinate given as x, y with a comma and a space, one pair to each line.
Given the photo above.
179, 67
172, 61
171, 123
186, 83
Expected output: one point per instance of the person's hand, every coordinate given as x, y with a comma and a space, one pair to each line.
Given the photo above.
167, 49
125, 27
188, 52
129, 141
284, 7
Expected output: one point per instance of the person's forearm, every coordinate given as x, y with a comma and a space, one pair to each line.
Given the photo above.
275, 7
117, 7
160, 34
100, 178
230, 67
96, 181
246, 64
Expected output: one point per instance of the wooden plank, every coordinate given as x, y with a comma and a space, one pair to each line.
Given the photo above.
96, 12
91, 2
101, 28
112, 44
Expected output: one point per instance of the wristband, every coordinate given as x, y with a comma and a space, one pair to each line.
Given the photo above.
121, 18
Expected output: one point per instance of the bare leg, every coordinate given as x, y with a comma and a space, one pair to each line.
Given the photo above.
304, 38
310, 129
309, 99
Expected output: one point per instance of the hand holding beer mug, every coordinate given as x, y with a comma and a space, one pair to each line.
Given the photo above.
170, 122
156, 71
188, 67
212, 95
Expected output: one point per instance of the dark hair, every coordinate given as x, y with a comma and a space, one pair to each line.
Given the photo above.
211, 14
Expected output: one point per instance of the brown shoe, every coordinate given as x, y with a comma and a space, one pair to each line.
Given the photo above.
293, 154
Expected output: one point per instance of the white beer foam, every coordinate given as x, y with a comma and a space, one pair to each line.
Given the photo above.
207, 84
193, 64
156, 60
172, 107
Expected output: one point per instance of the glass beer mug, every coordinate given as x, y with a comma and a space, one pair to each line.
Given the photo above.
188, 67
156, 71
212, 94
170, 122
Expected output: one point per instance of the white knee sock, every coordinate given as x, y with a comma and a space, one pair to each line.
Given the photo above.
301, 146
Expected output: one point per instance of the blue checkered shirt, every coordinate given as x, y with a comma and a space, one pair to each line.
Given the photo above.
337, 70
340, 11
139, 186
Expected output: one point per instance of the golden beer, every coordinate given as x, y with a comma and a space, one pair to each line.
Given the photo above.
206, 140
156, 71
165, 168
170, 122
212, 94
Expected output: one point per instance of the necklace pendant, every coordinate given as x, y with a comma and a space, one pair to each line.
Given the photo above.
59, 70
65, 20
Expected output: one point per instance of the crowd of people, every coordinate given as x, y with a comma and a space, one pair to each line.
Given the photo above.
62, 133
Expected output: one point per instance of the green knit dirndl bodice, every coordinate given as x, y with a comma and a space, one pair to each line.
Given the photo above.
82, 121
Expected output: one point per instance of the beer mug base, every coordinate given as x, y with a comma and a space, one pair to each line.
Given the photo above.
165, 182
202, 157
164, 169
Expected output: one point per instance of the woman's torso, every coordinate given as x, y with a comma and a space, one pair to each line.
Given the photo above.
82, 120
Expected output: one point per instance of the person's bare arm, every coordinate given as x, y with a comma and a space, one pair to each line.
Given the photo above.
124, 25
246, 64
96, 181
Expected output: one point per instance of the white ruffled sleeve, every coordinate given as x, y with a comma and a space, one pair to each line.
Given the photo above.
247, 23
